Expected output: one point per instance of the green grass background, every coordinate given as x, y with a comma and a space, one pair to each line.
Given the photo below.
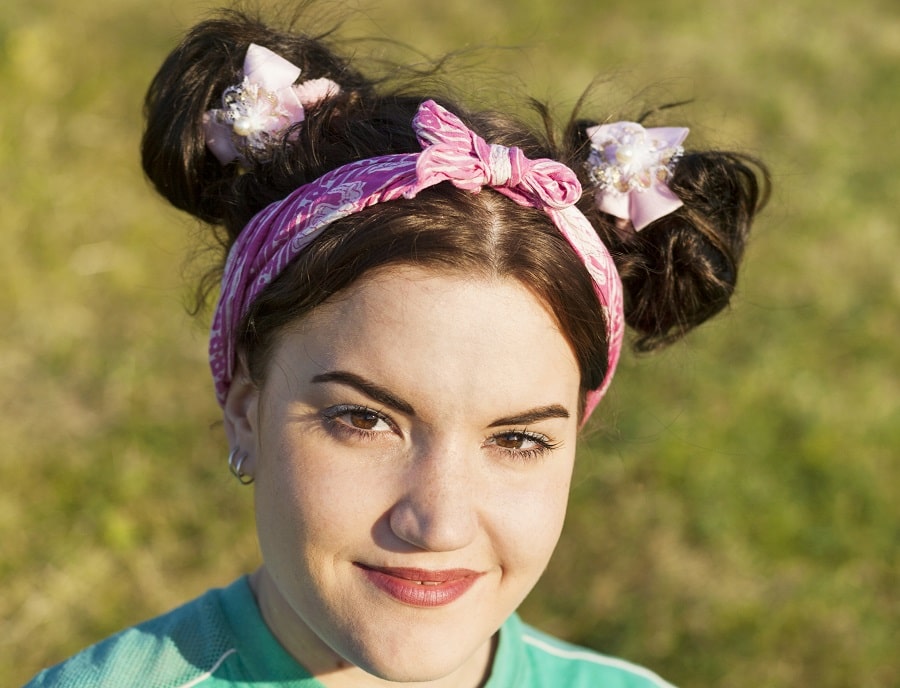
734, 520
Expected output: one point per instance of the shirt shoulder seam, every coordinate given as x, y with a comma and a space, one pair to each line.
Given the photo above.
208, 674
589, 656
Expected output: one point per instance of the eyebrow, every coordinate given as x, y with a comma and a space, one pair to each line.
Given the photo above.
533, 415
367, 387
383, 396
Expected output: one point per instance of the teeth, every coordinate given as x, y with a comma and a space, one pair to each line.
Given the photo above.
427, 582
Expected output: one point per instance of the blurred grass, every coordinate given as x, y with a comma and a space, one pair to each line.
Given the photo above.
734, 520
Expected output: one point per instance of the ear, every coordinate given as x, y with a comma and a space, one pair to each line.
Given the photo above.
242, 413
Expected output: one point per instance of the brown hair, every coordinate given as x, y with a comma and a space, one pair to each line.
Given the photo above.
677, 272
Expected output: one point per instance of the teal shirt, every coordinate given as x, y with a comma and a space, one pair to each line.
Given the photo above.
220, 640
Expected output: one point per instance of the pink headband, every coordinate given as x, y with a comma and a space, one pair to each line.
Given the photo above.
450, 152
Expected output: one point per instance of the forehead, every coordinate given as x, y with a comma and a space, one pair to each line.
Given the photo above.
444, 338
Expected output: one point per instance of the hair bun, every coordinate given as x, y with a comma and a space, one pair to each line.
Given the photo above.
191, 83
682, 268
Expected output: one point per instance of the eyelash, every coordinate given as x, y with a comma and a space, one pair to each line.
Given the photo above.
544, 443
332, 415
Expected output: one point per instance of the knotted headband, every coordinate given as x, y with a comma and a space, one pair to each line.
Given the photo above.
450, 152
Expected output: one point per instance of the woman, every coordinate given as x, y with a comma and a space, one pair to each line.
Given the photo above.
420, 307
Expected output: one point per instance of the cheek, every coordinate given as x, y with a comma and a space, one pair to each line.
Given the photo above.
532, 521
309, 499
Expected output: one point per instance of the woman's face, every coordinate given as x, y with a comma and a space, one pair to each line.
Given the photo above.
412, 447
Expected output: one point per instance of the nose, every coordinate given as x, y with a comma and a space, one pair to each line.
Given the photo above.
437, 511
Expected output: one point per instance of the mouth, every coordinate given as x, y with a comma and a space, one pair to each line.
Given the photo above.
421, 587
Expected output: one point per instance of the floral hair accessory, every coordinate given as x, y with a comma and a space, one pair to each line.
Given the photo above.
631, 167
265, 104
452, 153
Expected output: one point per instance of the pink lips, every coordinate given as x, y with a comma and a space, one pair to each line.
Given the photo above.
421, 587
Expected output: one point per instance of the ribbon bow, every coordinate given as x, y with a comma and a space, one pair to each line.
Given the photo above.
264, 104
631, 166
452, 152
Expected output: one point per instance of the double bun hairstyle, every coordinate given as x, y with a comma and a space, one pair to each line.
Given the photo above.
677, 266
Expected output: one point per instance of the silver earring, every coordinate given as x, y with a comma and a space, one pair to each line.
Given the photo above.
234, 465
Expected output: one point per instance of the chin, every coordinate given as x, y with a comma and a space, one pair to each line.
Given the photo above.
417, 662
413, 671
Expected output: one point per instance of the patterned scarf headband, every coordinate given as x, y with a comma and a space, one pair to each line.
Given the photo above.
450, 152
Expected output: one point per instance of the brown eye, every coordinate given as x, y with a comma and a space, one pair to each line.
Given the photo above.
522, 445
514, 440
363, 420
358, 418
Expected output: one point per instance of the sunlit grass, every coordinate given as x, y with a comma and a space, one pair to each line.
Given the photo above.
733, 522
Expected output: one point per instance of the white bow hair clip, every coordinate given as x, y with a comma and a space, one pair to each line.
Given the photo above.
631, 166
265, 104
